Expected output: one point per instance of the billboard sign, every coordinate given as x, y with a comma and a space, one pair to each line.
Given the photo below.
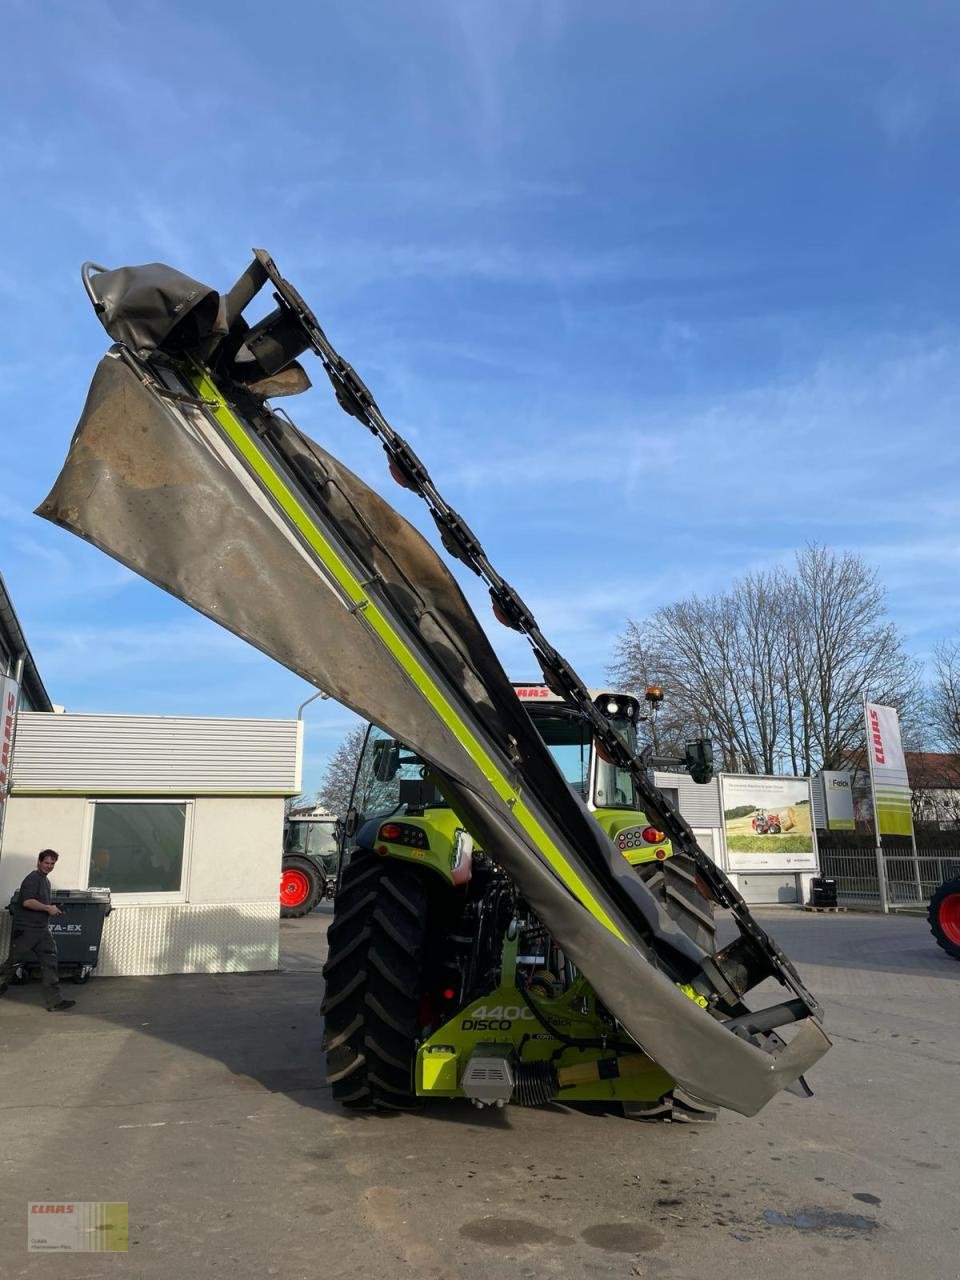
9, 695
888, 771
838, 794
768, 823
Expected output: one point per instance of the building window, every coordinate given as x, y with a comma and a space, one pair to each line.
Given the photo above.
137, 846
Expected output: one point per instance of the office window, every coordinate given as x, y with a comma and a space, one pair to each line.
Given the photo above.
138, 846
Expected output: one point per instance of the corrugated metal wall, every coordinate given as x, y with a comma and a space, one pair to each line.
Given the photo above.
142, 755
699, 804
818, 799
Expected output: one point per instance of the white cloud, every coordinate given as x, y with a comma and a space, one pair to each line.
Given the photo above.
904, 107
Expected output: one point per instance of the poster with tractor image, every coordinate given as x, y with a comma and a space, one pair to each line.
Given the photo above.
768, 823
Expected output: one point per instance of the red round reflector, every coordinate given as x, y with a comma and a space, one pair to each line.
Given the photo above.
448, 993
390, 831
503, 618
399, 476
661, 853
382, 848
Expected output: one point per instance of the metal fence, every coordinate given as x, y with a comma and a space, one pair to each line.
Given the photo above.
886, 878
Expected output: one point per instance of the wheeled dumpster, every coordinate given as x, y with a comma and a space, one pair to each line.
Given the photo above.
77, 933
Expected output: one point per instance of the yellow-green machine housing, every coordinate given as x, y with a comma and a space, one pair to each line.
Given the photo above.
504, 1019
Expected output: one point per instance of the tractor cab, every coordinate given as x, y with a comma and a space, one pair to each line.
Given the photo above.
392, 780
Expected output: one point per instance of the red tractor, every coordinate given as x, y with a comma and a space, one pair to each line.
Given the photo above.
766, 824
944, 917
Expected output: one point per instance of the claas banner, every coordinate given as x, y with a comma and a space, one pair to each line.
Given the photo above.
888, 771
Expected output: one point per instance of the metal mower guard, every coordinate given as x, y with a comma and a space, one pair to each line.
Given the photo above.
181, 471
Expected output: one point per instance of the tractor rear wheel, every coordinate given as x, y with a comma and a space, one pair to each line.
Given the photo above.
374, 975
673, 881
944, 917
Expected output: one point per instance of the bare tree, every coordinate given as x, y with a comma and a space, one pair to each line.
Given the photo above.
336, 782
671, 726
850, 648
774, 670
720, 659
943, 703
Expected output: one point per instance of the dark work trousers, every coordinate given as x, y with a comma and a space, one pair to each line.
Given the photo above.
35, 946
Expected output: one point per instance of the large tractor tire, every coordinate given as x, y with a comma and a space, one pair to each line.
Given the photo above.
374, 976
301, 888
673, 881
944, 917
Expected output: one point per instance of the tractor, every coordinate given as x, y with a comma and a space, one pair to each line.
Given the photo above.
309, 865
440, 979
943, 915
766, 824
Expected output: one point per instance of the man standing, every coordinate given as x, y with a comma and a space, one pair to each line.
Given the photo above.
32, 940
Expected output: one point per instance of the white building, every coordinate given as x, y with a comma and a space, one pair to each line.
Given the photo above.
181, 817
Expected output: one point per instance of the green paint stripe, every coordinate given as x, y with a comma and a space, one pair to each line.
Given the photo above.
183, 794
288, 503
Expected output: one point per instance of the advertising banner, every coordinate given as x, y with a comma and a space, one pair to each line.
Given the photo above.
768, 823
888, 771
9, 694
838, 794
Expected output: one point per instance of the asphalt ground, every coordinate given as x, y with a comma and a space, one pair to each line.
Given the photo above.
200, 1101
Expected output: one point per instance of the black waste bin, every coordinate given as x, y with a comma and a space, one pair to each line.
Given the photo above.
78, 931
823, 892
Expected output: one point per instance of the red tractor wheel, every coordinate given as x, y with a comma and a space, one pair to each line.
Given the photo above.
301, 888
944, 917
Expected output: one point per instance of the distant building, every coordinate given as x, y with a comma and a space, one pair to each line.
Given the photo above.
935, 783
934, 778
16, 659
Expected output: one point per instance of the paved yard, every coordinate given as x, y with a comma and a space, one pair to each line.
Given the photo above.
200, 1101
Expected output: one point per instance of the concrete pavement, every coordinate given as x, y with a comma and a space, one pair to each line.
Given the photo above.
200, 1101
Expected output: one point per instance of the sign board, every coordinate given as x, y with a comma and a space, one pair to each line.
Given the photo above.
767, 823
838, 796
888, 771
9, 696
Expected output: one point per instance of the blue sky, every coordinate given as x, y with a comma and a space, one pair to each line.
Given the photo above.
659, 291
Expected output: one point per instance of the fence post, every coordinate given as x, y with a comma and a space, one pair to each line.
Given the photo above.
916, 873
882, 879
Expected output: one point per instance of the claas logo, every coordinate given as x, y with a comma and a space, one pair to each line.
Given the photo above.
876, 738
51, 1208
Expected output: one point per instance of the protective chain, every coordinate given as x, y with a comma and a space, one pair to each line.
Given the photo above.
457, 537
